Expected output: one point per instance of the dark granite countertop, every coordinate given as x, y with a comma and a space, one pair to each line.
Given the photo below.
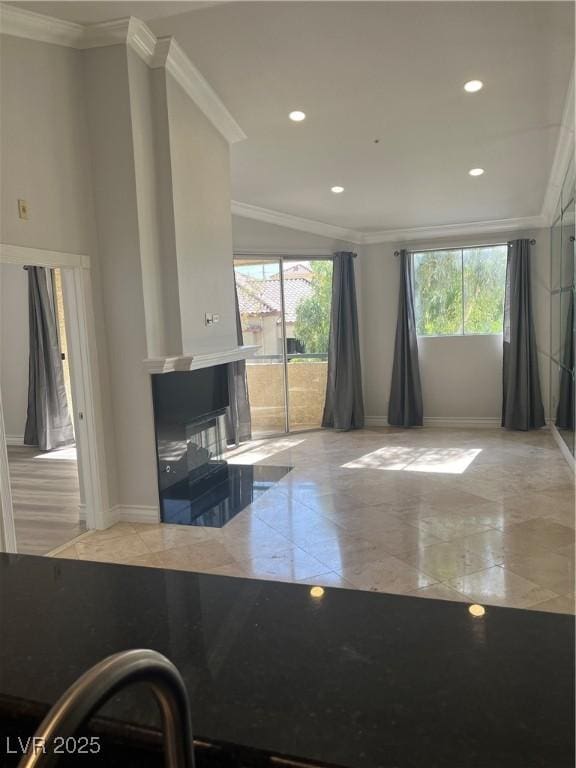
353, 679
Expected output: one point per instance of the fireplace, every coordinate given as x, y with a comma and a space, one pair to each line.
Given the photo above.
196, 483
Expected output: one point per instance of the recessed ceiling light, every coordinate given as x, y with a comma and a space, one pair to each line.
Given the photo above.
476, 171
337, 190
297, 116
472, 86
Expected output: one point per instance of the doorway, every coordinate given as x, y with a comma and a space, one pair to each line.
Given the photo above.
44, 476
285, 305
76, 290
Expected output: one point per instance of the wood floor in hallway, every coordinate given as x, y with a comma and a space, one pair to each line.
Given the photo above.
46, 498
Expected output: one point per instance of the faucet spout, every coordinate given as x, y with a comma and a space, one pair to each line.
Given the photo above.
84, 697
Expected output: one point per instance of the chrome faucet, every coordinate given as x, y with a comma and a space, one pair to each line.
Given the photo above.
101, 682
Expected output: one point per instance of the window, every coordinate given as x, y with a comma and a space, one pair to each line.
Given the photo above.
460, 291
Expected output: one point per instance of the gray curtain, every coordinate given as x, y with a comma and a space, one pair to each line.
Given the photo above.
238, 421
405, 405
521, 396
48, 423
344, 407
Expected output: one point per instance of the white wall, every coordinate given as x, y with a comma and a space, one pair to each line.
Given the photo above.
14, 348
45, 159
110, 133
461, 376
43, 147
249, 234
200, 165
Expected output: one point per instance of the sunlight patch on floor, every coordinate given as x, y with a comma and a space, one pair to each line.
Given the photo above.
451, 461
263, 449
60, 454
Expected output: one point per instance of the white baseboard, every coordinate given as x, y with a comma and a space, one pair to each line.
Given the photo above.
564, 450
132, 514
375, 421
456, 422
463, 422
125, 513
14, 439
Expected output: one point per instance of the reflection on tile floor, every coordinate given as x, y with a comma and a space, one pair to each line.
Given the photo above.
471, 515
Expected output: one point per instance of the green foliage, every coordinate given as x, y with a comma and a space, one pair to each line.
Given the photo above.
441, 278
312, 326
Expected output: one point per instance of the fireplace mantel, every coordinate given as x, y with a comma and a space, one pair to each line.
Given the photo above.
194, 362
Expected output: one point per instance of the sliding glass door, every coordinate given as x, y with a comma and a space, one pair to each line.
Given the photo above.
285, 310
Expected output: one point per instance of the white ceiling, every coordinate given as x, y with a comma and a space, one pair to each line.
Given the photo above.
388, 71
92, 12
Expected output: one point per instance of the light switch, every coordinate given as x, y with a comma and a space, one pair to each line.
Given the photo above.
22, 209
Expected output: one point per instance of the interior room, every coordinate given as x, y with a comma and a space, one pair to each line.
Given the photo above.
287, 382
43, 466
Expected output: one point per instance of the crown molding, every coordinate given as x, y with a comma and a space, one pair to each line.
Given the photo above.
268, 216
564, 150
35, 26
169, 54
453, 230
130, 31
155, 52
386, 235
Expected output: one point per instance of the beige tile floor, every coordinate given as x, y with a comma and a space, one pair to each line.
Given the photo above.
481, 515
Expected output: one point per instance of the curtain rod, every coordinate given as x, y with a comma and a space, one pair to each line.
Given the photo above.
461, 247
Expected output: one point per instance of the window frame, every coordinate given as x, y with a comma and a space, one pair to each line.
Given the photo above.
453, 248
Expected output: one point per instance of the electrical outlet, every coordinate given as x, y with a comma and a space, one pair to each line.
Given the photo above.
22, 209
215, 318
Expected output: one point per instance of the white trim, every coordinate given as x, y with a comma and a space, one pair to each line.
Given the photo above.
375, 421
408, 234
453, 230
194, 362
169, 54
131, 31
7, 529
269, 216
40, 257
14, 439
155, 52
36, 26
128, 513
297, 253
562, 154
463, 422
456, 422
80, 324
564, 450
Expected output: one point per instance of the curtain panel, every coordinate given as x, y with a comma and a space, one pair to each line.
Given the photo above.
48, 422
344, 405
405, 408
522, 406
238, 419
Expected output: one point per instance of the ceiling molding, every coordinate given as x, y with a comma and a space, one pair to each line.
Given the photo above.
385, 235
453, 230
164, 52
299, 253
169, 54
36, 26
564, 150
295, 222
130, 31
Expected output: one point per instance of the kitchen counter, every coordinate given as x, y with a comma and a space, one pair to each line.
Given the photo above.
351, 678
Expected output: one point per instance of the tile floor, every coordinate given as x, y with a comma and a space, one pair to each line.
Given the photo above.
481, 516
